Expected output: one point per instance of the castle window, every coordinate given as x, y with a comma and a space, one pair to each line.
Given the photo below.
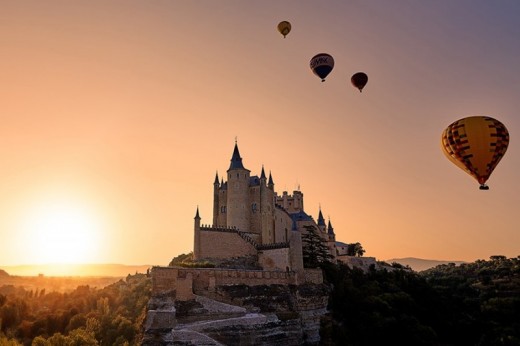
253, 207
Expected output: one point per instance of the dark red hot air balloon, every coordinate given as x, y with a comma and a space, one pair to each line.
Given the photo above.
359, 80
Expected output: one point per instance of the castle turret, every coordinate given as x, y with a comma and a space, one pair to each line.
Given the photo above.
267, 210
271, 183
238, 193
321, 222
331, 243
216, 186
296, 245
262, 175
330, 232
196, 241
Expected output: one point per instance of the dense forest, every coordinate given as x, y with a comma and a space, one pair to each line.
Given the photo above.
470, 304
85, 316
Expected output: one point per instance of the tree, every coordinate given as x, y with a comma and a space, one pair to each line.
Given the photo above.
315, 251
355, 249
182, 258
8, 342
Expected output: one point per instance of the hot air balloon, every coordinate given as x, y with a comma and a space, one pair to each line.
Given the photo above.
284, 28
476, 145
321, 65
359, 80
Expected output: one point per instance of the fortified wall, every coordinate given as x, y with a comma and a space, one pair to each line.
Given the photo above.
225, 242
184, 283
215, 306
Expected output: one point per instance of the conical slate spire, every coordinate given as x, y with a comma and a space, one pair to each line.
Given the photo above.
321, 220
236, 160
270, 179
216, 179
330, 229
197, 214
262, 176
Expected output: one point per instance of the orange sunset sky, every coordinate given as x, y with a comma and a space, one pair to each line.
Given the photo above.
115, 116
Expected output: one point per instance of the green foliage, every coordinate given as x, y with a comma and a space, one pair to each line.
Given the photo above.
186, 260
315, 251
198, 264
182, 258
8, 342
86, 316
471, 304
355, 249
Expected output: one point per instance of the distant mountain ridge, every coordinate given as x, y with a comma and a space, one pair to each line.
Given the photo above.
121, 270
99, 270
419, 264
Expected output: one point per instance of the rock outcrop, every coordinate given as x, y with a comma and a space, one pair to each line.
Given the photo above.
235, 314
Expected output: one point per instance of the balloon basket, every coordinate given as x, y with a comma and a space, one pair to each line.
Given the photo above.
483, 187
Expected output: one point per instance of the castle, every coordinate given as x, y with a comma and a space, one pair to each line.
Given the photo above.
259, 292
251, 220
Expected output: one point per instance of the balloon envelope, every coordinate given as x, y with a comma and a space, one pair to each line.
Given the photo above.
284, 28
359, 80
476, 145
321, 65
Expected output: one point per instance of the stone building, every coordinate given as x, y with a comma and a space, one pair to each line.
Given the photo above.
251, 220
259, 292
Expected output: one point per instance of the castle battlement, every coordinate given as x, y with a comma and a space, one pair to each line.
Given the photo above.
218, 228
273, 246
186, 282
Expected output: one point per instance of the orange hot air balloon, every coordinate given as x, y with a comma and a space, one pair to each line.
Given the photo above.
359, 80
476, 145
284, 28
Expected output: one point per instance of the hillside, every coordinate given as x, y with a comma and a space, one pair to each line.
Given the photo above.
469, 304
419, 264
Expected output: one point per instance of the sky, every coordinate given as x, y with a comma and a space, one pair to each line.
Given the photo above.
115, 116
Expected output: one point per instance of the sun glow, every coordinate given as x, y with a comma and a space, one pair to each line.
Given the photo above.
61, 233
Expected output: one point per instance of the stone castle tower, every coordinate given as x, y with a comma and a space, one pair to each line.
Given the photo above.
245, 202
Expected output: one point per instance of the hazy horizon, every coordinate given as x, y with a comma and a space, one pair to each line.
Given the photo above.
78, 269
118, 269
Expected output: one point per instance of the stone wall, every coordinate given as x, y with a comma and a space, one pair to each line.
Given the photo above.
275, 259
363, 263
235, 307
164, 279
314, 276
220, 244
182, 283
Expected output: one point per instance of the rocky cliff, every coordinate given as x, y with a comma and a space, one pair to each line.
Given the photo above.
238, 314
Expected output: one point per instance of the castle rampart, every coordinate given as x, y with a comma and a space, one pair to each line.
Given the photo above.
274, 256
223, 242
185, 282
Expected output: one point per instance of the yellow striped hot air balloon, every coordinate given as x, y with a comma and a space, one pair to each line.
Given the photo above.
476, 145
